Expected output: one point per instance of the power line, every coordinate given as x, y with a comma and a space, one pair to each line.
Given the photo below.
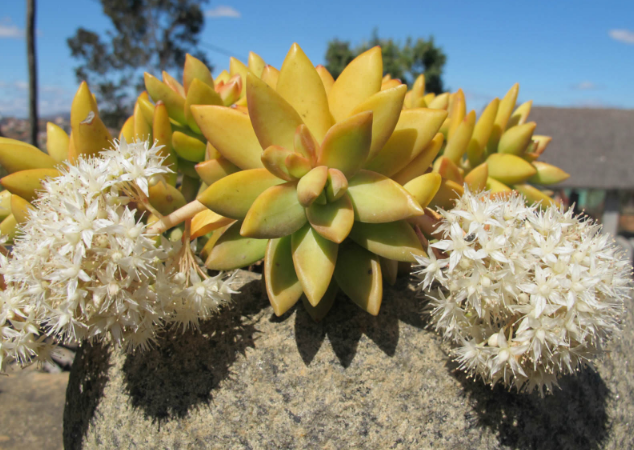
220, 50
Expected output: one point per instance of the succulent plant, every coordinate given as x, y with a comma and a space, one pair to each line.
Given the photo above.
498, 152
306, 173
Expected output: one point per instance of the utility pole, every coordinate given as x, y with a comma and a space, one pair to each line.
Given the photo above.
30, 48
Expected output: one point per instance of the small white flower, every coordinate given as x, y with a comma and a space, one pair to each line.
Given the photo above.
531, 294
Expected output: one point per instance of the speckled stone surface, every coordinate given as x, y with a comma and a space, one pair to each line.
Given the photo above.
254, 381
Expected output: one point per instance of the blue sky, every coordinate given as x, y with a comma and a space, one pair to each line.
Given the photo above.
563, 53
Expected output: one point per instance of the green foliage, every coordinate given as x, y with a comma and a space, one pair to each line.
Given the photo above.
152, 35
403, 61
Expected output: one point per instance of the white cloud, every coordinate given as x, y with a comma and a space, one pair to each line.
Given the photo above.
585, 86
22, 85
223, 11
625, 36
10, 31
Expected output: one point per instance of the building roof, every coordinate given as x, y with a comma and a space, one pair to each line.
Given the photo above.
595, 146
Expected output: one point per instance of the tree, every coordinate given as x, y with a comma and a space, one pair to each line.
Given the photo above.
405, 62
30, 50
148, 35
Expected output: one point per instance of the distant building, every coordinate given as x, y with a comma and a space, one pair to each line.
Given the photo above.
596, 147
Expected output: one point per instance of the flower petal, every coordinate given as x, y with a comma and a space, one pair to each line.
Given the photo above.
332, 220
231, 133
275, 213
393, 240
233, 195
282, 285
378, 199
301, 86
347, 144
358, 274
358, 81
314, 258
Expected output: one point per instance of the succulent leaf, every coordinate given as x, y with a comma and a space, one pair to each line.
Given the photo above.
482, 132
319, 312
9, 227
520, 115
127, 130
237, 67
414, 131
234, 251
274, 119
188, 147
378, 199
358, 274
477, 178
276, 212
142, 128
496, 187
297, 165
347, 144
448, 192
16, 156
56, 142
231, 133
389, 269
270, 76
159, 91
336, 186
515, 140
233, 195
359, 80
547, 174
5, 204
274, 160
206, 221
386, 107
27, 183
333, 220
448, 170
457, 145
305, 144
89, 132
457, 112
301, 86
502, 117
162, 132
311, 185
20, 209
534, 195
256, 64
195, 69
424, 188
419, 165
314, 258
199, 93
509, 169
326, 78
392, 240
165, 198
282, 285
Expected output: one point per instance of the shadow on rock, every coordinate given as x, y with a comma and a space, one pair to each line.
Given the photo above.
346, 323
185, 368
574, 417
85, 389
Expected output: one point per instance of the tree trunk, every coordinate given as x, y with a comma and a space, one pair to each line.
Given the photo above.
30, 48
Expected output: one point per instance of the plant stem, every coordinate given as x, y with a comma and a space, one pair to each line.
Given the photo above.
186, 212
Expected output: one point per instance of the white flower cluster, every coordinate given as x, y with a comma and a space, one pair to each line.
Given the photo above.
84, 267
525, 294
